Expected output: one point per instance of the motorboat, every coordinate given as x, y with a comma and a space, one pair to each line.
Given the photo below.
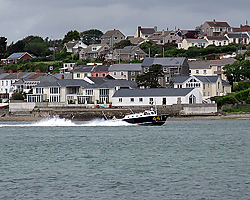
148, 117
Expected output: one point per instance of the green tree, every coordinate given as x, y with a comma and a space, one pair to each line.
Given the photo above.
150, 48
122, 44
18, 96
3, 46
71, 35
151, 78
92, 36
238, 71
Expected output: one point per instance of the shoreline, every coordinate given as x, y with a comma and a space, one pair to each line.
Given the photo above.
227, 116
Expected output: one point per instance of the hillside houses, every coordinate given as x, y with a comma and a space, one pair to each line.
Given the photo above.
81, 84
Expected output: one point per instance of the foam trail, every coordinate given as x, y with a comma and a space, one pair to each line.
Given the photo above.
107, 123
56, 121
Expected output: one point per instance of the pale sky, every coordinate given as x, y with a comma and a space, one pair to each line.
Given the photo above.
54, 18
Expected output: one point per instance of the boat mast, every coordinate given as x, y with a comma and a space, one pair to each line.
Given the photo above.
155, 107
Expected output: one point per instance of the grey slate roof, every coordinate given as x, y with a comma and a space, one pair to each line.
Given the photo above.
217, 38
222, 62
125, 67
237, 35
196, 40
147, 62
204, 79
199, 64
84, 68
113, 83
152, 92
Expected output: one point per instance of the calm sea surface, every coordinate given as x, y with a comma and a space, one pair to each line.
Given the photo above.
60, 159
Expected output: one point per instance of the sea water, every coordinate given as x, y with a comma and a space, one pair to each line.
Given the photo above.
61, 159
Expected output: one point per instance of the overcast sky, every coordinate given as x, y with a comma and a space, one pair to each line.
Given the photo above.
54, 18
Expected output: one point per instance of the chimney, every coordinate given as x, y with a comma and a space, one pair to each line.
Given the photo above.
62, 76
214, 21
139, 31
155, 28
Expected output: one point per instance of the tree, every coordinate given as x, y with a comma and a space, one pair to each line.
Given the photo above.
238, 71
71, 35
149, 47
3, 46
151, 78
122, 44
92, 36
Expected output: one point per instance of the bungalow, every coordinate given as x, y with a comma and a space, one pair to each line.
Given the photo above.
238, 38
192, 42
208, 86
217, 40
16, 57
158, 96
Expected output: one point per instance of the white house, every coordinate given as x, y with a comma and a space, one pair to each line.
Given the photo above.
208, 86
158, 96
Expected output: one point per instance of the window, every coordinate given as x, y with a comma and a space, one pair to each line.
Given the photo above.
197, 71
78, 75
140, 99
103, 75
132, 79
94, 49
85, 75
54, 90
204, 71
151, 99
192, 99
89, 92
96, 75
132, 73
165, 69
120, 100
122, 74
146, 70
204, 86
39, 90
114, 73
132, 100
115, 38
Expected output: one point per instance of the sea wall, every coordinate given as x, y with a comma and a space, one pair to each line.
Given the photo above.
81, 112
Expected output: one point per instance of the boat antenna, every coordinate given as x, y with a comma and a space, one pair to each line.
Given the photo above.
155, 107
104, 115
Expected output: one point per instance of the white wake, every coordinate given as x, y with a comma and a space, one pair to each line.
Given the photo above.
56, 121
